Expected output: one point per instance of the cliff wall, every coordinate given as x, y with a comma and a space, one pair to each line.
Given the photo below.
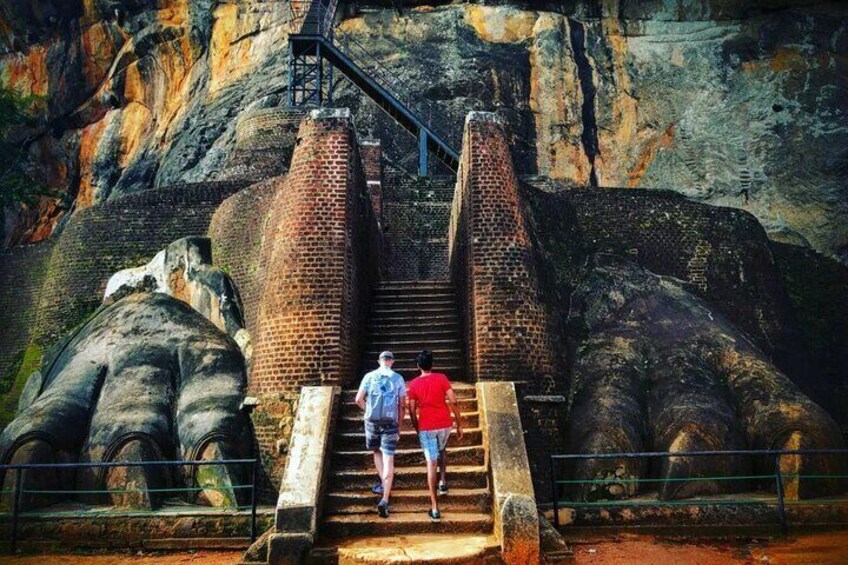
730, 103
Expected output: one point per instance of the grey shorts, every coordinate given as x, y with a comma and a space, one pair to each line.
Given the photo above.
434, 441
382, 436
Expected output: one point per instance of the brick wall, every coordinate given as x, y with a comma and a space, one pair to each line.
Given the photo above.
720, 254
416, 215
492, 264
372, 164
320, 267
265, 139
22, 273
318, 255
115, 235
236, 232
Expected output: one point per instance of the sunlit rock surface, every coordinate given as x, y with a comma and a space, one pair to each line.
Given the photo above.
732, 103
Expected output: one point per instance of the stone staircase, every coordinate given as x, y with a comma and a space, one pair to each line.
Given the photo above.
408, 316
350, 508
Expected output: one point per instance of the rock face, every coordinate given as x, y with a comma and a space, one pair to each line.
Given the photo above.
730, 103
146, 379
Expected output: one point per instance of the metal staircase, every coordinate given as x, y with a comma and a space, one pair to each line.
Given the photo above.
312, 41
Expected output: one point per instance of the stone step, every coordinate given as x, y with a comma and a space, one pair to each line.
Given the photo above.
448, 364
445, 350
351, 525
409, 372
412, 339
414, 285
422, 549
413, 302
461, 476
420, 312
349, 407
352, 421
392, 327
457, 500
413, 291
363, 460
461, 390
352, 441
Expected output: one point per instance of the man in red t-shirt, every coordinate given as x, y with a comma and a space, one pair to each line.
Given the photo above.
431, 418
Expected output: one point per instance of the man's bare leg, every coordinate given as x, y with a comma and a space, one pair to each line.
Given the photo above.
443, 465
378, 464
388, 475
432, 474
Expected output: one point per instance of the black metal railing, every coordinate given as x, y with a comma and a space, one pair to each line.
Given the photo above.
19, 472
315, 17
776, 475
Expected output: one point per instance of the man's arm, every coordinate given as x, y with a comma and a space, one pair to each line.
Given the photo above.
360, 395
456, 412
413, 414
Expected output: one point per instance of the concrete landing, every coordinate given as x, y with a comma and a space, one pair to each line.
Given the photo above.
441, 549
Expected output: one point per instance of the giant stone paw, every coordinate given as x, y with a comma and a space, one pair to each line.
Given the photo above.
658, 370
146, 379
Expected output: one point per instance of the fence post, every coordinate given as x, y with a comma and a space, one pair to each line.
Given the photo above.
781, 509
16, 508
554, 492
255, 470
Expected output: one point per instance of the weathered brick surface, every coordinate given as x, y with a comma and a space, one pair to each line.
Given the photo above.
115, 235
236, 232
22, 273
321, 249
371, 152
720, 254
493, 266
416, 215
307, 278
265, 139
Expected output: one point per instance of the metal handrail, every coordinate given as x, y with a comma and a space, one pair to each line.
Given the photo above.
437, 119
21, 468
775, 453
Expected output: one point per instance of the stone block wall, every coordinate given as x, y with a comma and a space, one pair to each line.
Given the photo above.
416, 216
320, 263
493, 265
115, 235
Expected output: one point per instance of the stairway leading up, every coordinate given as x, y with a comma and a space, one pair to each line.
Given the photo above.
350, 507
408, 316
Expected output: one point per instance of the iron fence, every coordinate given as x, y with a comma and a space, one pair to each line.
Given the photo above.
20, 471
771, 457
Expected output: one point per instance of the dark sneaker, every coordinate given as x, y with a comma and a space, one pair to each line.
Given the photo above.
377, 489
435, 515
443, 488
383, 509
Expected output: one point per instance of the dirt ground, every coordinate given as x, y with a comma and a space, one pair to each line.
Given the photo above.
813, 549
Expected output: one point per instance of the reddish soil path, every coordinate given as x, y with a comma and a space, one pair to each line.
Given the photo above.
813, 549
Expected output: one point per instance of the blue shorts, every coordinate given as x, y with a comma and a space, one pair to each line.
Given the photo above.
382, 436
433, 441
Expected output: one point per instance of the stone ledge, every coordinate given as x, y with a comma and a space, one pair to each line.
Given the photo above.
515, 513
300, 491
